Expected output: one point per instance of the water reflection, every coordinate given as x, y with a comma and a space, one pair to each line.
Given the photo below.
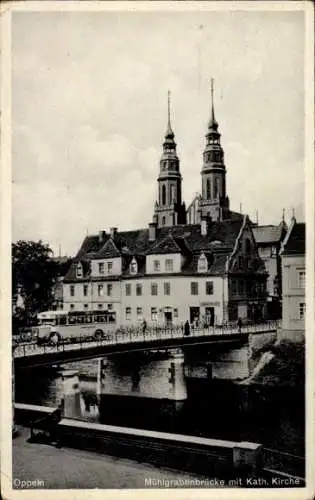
217, 409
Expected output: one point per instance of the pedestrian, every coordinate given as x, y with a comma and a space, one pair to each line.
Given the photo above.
187, 328
239, 324
144, 326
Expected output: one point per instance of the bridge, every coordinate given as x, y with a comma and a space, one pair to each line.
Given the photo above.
30, 354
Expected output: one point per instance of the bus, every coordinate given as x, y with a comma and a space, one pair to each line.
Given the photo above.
56, 326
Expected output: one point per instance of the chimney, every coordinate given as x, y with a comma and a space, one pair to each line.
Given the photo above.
152, 231
101, 236
113, 231
205, 221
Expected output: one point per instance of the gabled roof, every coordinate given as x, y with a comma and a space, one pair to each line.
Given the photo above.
268, 234
294, 244
169, 244
184, 239
108, 251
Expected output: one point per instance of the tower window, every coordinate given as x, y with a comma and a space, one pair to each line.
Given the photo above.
208, 189
163, 195
172, 193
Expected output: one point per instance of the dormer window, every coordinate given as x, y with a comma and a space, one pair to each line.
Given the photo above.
133, 268
79, 270
202, 264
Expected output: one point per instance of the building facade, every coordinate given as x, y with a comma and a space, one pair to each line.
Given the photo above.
207, 271
269, 239
293, 281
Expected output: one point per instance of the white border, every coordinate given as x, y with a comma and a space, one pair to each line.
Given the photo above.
5, 245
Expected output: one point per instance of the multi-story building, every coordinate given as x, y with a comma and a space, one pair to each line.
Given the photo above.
293, 281
269, 239
170, 272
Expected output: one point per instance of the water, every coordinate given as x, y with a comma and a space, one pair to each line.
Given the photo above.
272, 416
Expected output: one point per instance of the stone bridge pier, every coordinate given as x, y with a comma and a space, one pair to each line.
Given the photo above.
151, 374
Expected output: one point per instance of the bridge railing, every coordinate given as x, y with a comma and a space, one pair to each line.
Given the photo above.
130, 335
286, 463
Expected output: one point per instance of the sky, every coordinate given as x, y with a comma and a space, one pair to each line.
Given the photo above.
89, 114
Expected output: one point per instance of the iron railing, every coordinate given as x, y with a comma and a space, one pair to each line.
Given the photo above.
282, 462
125, 336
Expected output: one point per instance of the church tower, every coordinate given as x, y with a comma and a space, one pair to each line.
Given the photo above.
213, 201
169, 209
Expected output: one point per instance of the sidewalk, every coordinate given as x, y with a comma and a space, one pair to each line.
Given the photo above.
70, 468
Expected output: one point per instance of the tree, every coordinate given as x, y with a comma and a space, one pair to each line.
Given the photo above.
33, 276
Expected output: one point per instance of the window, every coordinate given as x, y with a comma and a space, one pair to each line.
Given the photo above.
208, 189
109, 289
167, 288
72, 290
138, 289
128, 289
169, 265
101, 268
154, 289
85, 290
241, 262
79, 270
133, 268
100, 290
163, 221
173, 192
175, 313
156, 266
139, 312
302, 310
301, 279
209, 287
71, 307
86, 306
163, 195
109, 267
100, 306
273, 252
194, 288
153, 313
241, 287
202, 264
128, 313
109, 307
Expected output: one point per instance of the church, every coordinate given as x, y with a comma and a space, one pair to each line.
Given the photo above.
201, 264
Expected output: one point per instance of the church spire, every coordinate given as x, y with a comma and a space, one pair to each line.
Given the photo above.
169, 209
169, 131
213, 124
